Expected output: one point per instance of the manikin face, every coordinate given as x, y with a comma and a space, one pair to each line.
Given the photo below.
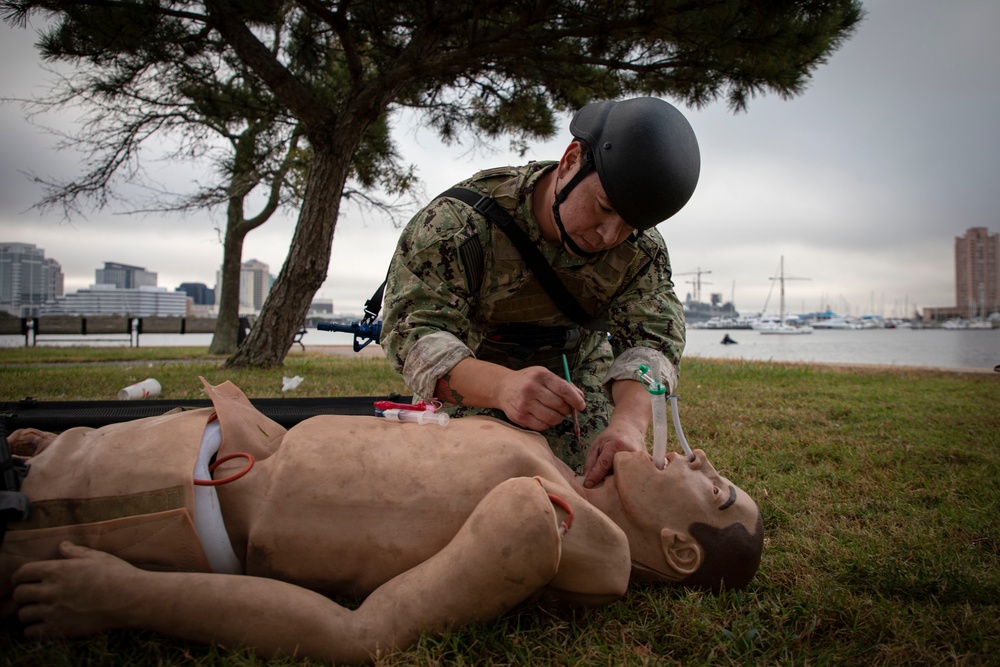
587, 214
684, 492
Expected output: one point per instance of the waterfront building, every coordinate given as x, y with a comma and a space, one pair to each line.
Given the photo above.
53, 279
977, 279
977, 273
320, 310
255, 284
27, 279
321, 306
124, 276
200, 293
144, 301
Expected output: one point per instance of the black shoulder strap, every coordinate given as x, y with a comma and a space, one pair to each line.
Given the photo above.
497, 214
531, 255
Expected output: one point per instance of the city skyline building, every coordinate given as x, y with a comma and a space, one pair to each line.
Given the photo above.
200, 293
104, 299
255, 284
55, 280
977, 279
124, 276
977, 273
27, 279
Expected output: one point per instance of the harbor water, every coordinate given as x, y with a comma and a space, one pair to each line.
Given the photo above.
930, 348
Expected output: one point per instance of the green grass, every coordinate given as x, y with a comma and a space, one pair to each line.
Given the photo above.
63, 374
880, 501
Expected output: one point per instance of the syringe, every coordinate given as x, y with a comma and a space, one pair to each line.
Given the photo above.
415, 416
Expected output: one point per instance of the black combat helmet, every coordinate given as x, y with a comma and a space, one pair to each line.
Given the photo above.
645, 154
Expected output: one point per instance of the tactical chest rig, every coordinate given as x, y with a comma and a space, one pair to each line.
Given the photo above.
520, 344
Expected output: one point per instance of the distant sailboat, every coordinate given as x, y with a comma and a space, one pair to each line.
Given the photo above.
780, 326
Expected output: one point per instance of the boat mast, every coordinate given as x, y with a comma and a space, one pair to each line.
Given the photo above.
781, 276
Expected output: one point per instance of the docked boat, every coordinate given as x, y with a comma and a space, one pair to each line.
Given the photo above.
836, 323
740, 322
781, 325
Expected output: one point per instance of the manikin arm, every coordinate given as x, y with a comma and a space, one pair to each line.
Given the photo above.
508, 549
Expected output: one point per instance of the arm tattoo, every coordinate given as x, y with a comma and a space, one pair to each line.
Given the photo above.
445, 392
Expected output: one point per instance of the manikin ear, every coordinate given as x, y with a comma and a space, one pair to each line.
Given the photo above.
684, 554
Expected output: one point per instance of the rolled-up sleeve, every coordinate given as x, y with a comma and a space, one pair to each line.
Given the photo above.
647, 324
427, 300
430, 358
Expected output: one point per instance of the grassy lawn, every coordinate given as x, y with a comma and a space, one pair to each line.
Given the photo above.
878, 488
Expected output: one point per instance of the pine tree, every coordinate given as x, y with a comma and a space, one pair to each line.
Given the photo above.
336, 70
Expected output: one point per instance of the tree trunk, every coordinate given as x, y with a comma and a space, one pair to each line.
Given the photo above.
226, 335
306, 265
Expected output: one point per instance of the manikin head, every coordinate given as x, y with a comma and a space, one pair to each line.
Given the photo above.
686, 524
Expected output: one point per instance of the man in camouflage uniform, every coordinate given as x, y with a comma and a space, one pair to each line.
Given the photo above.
468, 323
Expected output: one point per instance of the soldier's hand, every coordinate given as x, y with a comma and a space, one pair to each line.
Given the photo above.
536, 398
600, 457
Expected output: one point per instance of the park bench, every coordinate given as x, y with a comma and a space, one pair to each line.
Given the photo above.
74, 328
115, 328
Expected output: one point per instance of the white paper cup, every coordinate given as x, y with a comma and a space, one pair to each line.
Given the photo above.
145, 389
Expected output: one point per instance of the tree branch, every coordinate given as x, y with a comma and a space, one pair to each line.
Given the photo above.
300, 100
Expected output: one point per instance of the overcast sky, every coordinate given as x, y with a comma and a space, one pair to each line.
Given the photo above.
861, 183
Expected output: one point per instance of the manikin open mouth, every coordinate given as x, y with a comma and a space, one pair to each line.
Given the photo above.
673, 456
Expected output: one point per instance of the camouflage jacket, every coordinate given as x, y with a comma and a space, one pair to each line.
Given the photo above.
455, 276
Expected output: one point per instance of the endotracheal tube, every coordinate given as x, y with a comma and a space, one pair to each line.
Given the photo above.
658, 399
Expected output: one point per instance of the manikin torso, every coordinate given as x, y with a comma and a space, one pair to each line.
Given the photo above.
336, 504
346, 503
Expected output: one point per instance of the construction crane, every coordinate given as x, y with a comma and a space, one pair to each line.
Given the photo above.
696, 282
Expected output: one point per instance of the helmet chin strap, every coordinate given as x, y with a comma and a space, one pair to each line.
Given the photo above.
586, 167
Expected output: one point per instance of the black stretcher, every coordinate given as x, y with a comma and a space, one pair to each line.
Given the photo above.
61, 415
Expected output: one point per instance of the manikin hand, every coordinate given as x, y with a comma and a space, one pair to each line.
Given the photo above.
29, 441
617, 437
536, 398
83, 593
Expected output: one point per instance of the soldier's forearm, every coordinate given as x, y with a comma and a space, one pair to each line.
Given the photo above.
632, 406
472, 383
